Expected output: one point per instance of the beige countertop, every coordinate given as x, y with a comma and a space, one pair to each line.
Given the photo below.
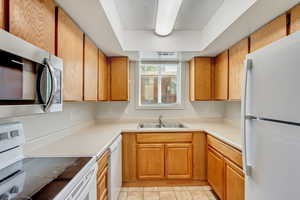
95, 139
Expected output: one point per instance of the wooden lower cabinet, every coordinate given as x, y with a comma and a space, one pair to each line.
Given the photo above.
224, 173
178, 161
215, 172
234, 182
164, 159
102, 177
150, 161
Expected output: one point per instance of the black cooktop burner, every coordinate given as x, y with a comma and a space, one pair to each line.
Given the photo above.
39, 178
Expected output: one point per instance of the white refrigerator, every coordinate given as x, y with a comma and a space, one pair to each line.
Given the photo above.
271, 121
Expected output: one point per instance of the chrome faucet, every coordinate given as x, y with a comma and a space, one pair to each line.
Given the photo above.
160, 121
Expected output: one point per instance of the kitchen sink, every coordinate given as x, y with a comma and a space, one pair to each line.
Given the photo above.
173, 125
161, 125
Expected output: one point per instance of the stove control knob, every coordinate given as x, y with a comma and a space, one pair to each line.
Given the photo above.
13, 190
4, 197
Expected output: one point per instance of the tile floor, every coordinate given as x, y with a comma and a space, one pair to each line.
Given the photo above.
167, 193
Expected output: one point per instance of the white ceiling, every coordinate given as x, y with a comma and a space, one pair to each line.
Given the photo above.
140, 14
203, 27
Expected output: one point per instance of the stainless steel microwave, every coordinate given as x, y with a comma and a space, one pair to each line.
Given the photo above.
30, 78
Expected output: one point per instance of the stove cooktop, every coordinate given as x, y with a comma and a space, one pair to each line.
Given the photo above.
39, 178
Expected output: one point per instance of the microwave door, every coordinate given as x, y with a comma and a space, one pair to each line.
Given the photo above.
17, 80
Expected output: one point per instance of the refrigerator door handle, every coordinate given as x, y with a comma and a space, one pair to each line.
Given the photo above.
247, 167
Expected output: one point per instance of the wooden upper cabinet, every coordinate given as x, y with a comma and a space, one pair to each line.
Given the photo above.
295, 19
70, 49
150, 161
119, 75
237, 55
221, 76
2, 14
215, 172
33, 21
90, 70
234, 182
269, 33
178, 161
103, 76
200, 74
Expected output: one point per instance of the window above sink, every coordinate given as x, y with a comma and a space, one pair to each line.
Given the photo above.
159, 85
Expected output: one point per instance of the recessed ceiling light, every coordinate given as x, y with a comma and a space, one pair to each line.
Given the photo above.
167, 12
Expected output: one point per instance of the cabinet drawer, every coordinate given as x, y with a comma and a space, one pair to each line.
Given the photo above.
103, 161
164, 137
228, 151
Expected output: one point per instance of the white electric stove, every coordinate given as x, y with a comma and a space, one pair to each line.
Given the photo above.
43, 178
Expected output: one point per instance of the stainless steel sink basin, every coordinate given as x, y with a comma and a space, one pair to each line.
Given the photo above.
149, 125
162, 125
173, 125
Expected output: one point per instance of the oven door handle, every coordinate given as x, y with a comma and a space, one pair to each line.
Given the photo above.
50, 101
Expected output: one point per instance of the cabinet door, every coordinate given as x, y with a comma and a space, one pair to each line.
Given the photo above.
102, 184
103, 78
269, 33
150, 161
33, 21
215, 172
90, 70
295, 19
237, 55
200, 78
102, 177
119, 67
70, 49
199, 156
221, 76
234, 182
178, 161
129, 157
2, 14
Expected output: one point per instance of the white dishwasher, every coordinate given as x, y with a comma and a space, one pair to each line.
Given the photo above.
115, 173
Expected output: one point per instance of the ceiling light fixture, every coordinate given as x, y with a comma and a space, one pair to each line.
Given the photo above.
167, 12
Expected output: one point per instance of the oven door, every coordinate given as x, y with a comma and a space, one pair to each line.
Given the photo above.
86, 189
30, 78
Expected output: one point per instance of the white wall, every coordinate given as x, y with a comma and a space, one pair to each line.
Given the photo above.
127, 110
232, 112
74, 115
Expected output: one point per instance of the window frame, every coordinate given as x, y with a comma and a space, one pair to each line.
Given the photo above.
175, 106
